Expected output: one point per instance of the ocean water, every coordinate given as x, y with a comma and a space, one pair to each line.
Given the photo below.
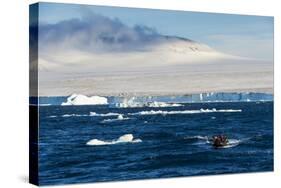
81, 144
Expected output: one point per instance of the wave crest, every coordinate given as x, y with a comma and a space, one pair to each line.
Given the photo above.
119, 118
157, 112
104, 115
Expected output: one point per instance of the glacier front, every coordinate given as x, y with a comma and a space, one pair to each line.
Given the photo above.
152, 101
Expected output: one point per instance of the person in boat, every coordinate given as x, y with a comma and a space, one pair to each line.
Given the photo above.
220, 140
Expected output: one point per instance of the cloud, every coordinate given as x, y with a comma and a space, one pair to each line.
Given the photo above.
95, 34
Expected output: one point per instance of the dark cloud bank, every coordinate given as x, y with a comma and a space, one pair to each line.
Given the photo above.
97, 33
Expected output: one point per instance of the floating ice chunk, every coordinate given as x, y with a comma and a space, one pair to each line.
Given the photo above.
75, 99
96, 142
127, 138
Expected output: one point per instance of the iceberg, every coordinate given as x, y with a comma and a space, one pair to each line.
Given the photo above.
129, 101
135, 102
163, 104
177, 101
75, 99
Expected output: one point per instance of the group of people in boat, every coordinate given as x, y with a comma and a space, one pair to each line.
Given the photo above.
219, 140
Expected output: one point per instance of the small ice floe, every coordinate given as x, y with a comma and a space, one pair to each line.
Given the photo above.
127, 138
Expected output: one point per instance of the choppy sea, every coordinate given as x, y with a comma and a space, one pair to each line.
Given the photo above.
80, 144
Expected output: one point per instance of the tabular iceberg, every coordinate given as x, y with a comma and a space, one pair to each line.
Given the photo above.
152, 101
75, 99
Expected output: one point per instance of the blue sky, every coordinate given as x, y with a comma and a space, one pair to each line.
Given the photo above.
248, 36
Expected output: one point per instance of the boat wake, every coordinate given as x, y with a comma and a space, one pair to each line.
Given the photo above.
205, 140
231, 143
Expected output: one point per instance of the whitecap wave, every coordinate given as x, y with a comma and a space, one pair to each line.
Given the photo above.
91, 114
77, 99
73, 115
133, 104
104, 115
197, 137
44, 104
119, 118
67, 115
127, 138
157, 112
150, 112
200, 140
53, 116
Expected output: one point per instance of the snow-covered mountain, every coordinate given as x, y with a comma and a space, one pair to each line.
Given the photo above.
102, 56
170, 66
164, 51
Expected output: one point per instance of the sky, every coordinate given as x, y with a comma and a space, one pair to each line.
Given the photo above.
246, 36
